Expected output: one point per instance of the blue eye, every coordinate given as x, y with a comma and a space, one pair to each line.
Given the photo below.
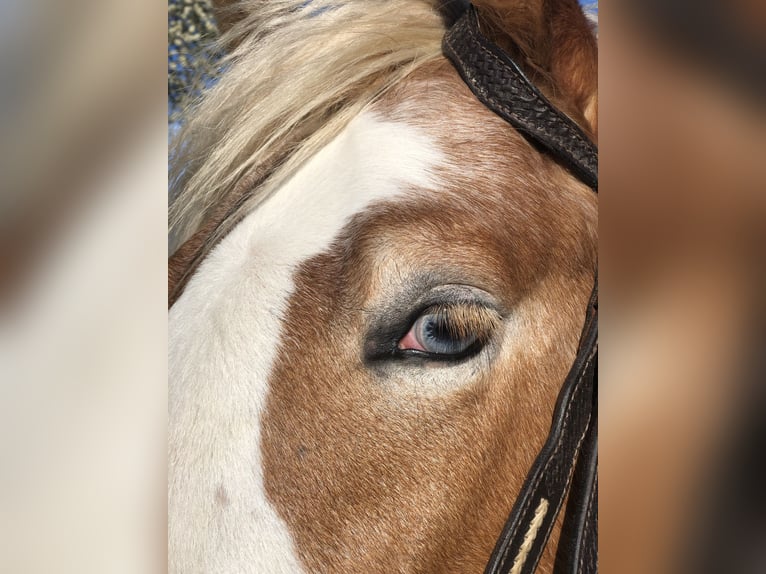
432, 333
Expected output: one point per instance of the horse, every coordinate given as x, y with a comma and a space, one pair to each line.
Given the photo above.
376, 288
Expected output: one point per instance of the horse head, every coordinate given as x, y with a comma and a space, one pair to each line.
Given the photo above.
378, 291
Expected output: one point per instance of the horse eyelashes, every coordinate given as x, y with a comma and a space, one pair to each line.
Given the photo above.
467, 319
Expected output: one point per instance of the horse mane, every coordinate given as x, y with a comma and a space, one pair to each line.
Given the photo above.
297, 74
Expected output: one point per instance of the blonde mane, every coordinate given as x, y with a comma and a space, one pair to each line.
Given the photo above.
299, 73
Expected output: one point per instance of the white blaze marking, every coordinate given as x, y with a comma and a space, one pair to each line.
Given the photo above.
223, 337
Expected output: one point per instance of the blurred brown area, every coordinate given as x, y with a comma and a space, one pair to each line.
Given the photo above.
682, 268
83, 187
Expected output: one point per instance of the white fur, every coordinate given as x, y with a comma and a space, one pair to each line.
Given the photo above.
223, 336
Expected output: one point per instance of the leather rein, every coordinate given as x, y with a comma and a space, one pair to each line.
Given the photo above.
567, 463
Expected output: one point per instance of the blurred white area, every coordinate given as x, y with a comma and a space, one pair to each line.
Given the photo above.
83, 187
82, 411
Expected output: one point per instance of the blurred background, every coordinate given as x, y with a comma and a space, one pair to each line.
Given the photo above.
83, 194
681, 260
83, 184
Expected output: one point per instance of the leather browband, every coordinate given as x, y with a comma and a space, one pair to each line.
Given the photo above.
568, 461
498, 82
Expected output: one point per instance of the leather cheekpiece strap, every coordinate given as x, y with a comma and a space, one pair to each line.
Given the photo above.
568, 462
570, 444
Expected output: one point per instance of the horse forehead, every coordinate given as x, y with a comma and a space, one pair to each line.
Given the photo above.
373, 160
224, 334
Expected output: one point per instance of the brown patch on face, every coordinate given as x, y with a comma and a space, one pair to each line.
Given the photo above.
371, 471
182, 263
221, 496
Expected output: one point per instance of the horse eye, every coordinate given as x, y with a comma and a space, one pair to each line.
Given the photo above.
435, 334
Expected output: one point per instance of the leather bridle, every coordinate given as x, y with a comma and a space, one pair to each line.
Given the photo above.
567, 463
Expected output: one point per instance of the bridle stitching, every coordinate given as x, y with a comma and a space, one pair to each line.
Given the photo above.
587, 519
566, 485
552, 457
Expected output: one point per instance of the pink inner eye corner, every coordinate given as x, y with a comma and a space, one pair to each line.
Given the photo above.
409, 342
